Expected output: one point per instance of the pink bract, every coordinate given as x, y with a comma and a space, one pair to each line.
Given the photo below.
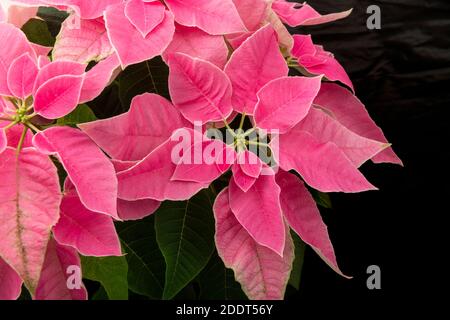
318, 61
295, 14
256, 62
262, 273
29, 208
53, 284
133, 135
91, 233
129, 43
84, 162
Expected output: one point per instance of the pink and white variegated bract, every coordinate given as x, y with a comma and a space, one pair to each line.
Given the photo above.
32, 204
138, 30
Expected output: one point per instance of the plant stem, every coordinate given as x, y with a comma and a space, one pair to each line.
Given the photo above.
32, 127
31, 116
249, 132
228, 127
241, 124
6, 119
22, 139
14, 102
12, 124
256, 143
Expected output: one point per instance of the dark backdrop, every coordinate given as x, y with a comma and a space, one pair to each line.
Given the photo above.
402, 74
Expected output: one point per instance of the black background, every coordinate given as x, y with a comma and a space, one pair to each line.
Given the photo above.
402, 74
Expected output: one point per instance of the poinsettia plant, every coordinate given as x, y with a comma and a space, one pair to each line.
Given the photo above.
148, 145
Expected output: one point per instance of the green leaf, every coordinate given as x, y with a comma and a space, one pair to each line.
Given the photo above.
53, 17
100, 294
111, 272
187, 293
218, 282
322, 199
81, 114
37, 31
297, 265
108, 104
185, 235
148, 76
146, 265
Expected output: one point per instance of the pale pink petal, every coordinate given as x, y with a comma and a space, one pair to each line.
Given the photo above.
235, 40
215, 17
312, 61
318, 61
43, 61
256, 62
29, 208
133, 135
284, 37
92, 234
303, 216
200, 90
321, 19
199, 44
18, 15
98, 78
3, 140
262, 273
86, 165
17, 45
40, 50
10, 282
220, 124
69, 187
324, 128
84, 9
128, 42
58, 96
120, 165
85, 42
21, 76
226, 158
283, 102
258, 210
242, 180
13, 136
60, 263
158, 167
136, 210
350, 112
303, 45
57, 68
3, 105
199, 163
29, 3
2, 14
250, 164
332, 70
295, 14
252, 12
145, 16
322, 165
256, 14
133, 210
